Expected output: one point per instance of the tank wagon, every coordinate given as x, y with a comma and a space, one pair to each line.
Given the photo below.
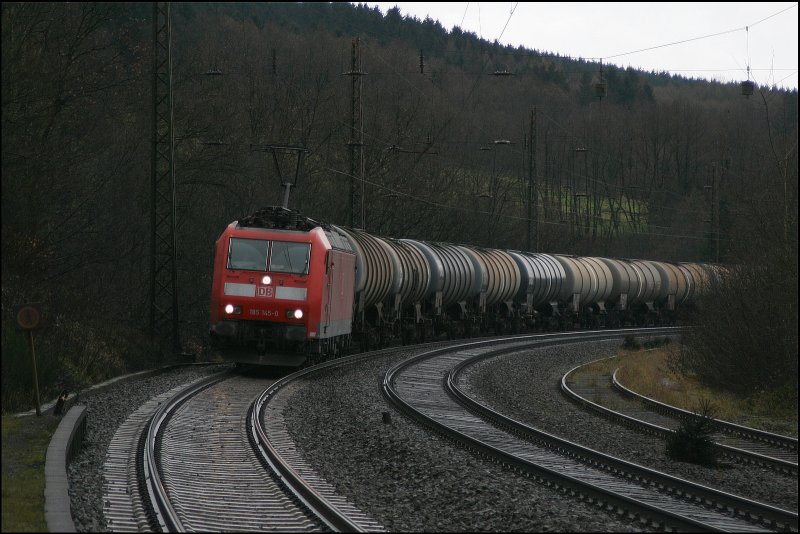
287, 288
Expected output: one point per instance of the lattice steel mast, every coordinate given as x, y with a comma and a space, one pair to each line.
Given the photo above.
163, 267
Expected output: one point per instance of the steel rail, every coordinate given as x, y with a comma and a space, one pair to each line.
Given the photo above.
779, 440
164, 514
335, 518
539, 473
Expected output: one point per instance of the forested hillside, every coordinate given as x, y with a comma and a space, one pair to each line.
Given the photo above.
662, 167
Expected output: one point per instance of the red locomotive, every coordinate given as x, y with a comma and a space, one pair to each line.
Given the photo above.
283, 289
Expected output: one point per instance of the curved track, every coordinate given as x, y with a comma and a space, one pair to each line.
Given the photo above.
199, 464
426, 389
203, 473
278, 451
735, 442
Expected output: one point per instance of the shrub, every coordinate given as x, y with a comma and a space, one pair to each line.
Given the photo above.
692, 441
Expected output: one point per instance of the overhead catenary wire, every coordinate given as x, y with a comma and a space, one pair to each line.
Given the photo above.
514, 217
384, 143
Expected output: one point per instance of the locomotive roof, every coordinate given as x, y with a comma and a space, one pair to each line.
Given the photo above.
279, 218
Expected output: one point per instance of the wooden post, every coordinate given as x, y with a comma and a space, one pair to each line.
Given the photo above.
35, 375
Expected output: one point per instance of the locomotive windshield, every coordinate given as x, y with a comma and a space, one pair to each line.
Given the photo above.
285, 257
289, 257
248, 254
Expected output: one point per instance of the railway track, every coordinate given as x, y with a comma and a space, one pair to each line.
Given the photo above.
203, 461
604, 394
426, 389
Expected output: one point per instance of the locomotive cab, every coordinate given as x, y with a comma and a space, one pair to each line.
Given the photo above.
280, 295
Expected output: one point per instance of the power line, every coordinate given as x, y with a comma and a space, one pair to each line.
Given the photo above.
740, 28
507, 21
506, 216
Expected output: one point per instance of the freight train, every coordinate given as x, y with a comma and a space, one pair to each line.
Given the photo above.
287, 289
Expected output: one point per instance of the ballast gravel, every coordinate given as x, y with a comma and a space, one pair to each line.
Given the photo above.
411, 480
408, 479
106, 410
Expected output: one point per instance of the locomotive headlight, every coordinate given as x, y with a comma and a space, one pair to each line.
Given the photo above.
266, 280
230, 309
294, 314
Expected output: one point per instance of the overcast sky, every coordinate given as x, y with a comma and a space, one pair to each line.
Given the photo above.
606, 29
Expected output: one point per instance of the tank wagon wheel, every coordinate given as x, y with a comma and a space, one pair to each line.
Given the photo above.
379, 343
421, 329
500, 327
468, 330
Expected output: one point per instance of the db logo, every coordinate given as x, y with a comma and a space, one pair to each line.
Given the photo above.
264, 291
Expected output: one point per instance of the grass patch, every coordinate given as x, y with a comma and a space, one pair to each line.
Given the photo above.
25, 441
596, 375
647, 373
589, 374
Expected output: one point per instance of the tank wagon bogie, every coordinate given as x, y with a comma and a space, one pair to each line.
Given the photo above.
287, 289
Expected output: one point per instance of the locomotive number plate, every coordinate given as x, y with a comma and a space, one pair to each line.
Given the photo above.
265, 313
